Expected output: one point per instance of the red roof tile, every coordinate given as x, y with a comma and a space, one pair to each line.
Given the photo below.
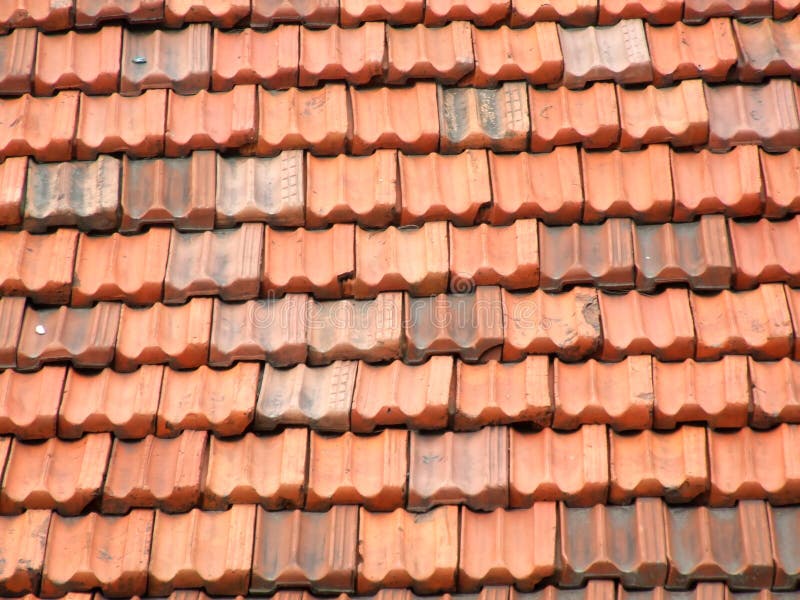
776, 392
49, 15
17, 56
784, 8
654, 11
222, 13
576, 13
394, 12
353, 55
248, 56
783, 527
38, 266
78, 61
29, 402
793, 300
22, 549
443, 54
699, 10
781, 188
90, 13
483, 13
765, 252
12, 311
767, 49
314, 13
12, 189
22, 132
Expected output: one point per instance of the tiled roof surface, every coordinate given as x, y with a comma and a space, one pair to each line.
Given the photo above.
391, 299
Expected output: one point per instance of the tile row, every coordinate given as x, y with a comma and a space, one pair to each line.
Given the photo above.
59, 15
349, 549
296, 189
131, 61
494, 467
417, 119
637, 393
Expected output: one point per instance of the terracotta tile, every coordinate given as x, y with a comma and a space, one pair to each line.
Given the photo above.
305, 549
78, 61
261, 189
393, 12
350, 469
356, 56
658, 12
211, 121
222, 401
313, 13
716, 393
711, 590
767, 49
676, 115
505, 54
121, 267
468, 468
542, 186
371, 330
735, 547
577, 13
708, 182
754, 322
482, 118
12, 189
12, 311
785, 8
248, 331
562, 117
683, 51
352, 189
123, 403
269, 470
658, 324
783, 524
315, 261
97, 551
696, 253
223, 14
56, 475
197, 264
397, 394
598, 255
441, 53
628, 184
155, 473
776, 392
29, 402
405, 119
317, 397
390, 546
567, 324
618, 394
764, 252
753, 114
17, 55
174, 191
621, 542
40, 127
248, 56
38, 266
178, 59
412, 259
550, 466
22, 548
47, 15
91, 13
209, 550
83, 336
159, 334
781, 187
507, 547
793, 300
695, 11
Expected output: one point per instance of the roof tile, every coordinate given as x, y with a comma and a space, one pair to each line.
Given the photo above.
210, 550
468, 468
29, 402
659, 12
658, 324
269, 470
121, 267
716, 393
306, 549
78, 61
784, 8
393, 12
12, 311
249, 56
483, 13
12, 189
175, 191
767, 49
48, 15
123, 403
21, 130
369, 471
548, 466
222, 401
562, 117
793, 300
618, 394
22, 549
390, 545
695, 11
17, 55
397, 394
704, 590
98, 551
404, 119
155, 473
221, 13
683, 51
174, 59
576, 13
91, 13
353, 55
508, 547
765, 252
542, 186
776, 392
318, 397
783, 524
781, 188
38, 266
441, 53
247, 331
312, 13
566, 324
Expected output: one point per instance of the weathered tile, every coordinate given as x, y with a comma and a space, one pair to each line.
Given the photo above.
765, 252
781, 187
249, 56
443, 54
576, 13
47, 15
91, 13
313, 13
12, 190
223, 14
356, 56
768, 49
17, 56
22, 548
78, 61
21, 133
38, 266
695, 11
483, 13
12, 313
658, 12
29, 402
776, 392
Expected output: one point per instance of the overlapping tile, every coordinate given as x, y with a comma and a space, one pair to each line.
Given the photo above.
316, 13
248, 56
38, 266
443, 54
505, 54
781, 191
12, 313
91, 13
21, 133
661, 12
356, 56
29, 402
695, 11
22, 548
12, 189
483, 13
48, 15
776, 392
17, 57
397, 12
221, 13
764, 252
576, 13
78, 61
